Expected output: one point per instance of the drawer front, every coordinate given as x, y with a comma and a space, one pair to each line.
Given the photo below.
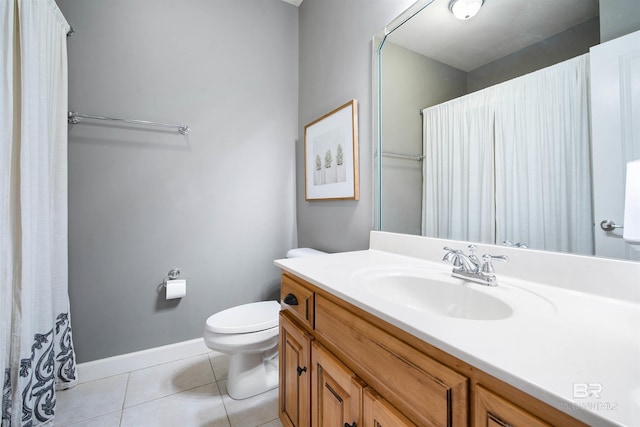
426, 391
379, 413
494, 411
297, 300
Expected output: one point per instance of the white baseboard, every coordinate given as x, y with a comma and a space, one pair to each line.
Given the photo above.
116, 365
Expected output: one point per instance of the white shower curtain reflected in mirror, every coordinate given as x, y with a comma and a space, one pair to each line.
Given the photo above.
512, 162
458, 177
36, 350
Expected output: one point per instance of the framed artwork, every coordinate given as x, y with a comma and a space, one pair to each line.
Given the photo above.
331, 155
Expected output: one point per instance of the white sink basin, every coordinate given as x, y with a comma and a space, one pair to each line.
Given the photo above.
436, 292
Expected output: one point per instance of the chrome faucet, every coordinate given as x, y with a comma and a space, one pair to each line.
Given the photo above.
515, 245
470, 267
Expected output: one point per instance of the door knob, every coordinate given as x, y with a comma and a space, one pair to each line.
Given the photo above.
609, 225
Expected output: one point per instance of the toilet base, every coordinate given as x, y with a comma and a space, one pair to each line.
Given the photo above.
252, 373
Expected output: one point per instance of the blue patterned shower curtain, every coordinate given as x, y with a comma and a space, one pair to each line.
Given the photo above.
36, 347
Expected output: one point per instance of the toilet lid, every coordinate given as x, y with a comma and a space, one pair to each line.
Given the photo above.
253, 317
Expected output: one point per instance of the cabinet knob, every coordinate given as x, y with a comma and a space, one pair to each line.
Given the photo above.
301, 370
350, 425
290, 299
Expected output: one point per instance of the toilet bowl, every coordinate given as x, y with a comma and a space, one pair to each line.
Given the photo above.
249, 334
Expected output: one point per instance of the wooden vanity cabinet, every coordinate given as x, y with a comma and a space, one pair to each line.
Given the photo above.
377, 412
341, 366
297, 300
336, 392
295, 374
425, 390
492, 410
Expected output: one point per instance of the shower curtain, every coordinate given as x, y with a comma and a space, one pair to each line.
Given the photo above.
512, 162
543, 159
36, 350
458, 177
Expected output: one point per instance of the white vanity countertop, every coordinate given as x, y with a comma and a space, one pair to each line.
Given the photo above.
578, 343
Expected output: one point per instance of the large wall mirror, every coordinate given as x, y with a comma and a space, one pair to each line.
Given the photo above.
497, 128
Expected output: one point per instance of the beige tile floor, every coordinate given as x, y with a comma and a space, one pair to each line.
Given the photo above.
186, 393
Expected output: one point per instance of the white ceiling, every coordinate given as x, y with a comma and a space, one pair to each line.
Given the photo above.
499, 29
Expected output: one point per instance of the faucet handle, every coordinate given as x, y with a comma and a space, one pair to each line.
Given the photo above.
457, 257
487, 263
451, 254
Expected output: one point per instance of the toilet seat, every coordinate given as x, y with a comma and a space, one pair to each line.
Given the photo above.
246, 318
249, 334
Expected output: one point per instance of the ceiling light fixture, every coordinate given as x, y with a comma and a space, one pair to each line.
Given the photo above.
465, 9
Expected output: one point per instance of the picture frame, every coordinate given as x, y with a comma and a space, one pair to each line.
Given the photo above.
331, 155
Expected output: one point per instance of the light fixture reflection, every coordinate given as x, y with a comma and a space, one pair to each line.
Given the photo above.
465, 9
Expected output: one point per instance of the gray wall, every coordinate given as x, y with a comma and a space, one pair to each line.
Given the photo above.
410, 82
218, 203
335, 66
568, 44
618, 17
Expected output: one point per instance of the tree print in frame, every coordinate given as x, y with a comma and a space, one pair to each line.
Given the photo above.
331, 155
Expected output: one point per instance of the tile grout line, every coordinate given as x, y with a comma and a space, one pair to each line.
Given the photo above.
217, 383
226, 411
126, 391
171, 394
170, 361
215, 377
175, 392
124, 399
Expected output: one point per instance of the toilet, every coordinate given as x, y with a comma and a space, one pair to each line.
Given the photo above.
249, 334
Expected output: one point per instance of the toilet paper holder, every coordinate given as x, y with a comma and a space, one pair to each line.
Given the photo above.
172, 275
174, 288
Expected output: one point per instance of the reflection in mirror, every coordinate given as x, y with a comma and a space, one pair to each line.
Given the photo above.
483, 125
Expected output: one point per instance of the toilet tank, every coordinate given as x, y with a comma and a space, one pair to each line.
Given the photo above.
302, 252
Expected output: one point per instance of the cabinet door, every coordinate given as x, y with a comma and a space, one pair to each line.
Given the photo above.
425, 390
492, 410
336, 393
379, 413
295, 361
